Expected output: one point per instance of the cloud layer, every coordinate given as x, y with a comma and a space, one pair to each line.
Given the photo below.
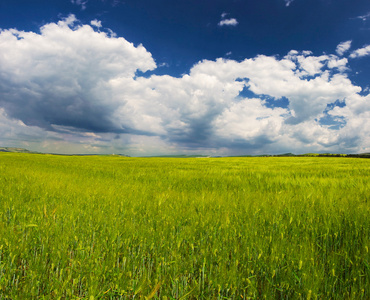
77, 86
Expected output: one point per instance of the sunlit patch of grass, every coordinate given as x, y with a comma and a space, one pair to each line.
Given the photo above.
173, 228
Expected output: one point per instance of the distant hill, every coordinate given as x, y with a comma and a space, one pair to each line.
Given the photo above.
17, 150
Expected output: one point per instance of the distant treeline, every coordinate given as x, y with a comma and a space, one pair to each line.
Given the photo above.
365, 155
361, 155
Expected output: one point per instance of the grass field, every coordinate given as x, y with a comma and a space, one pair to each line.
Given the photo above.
105, 227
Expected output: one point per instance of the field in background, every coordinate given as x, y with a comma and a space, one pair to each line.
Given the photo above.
195, 228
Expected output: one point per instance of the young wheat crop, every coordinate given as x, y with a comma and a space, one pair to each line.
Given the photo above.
105, 227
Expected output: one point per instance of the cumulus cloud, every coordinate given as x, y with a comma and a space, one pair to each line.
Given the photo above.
343, 47
78, 85
62, 75
365, 51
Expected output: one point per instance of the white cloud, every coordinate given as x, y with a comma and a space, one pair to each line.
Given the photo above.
343, 47
248, 119
228, 22
306, 52
340, 64
64, 71
202, 107
96, 23
364, 17
365, 51
288, 2
311, 65
74, 89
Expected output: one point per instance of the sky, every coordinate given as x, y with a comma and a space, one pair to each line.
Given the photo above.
164, 77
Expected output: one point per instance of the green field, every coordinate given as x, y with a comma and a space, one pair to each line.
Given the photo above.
103, 227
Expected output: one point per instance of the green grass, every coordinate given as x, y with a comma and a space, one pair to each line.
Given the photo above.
193, 228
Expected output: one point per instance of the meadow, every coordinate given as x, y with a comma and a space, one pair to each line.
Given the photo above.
106, 227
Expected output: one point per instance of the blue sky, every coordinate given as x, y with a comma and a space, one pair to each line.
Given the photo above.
171, 77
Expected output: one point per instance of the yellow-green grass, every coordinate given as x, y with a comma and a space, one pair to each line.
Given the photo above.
100, 227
